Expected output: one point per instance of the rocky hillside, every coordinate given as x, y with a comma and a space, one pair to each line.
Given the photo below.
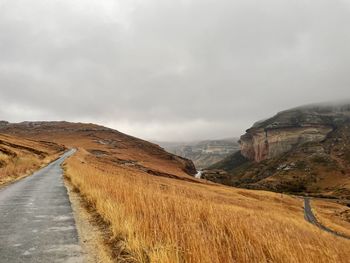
305, 149
203, 153
19, 156
106, 144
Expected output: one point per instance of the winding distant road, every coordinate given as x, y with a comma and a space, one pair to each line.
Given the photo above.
310, 217
36, 219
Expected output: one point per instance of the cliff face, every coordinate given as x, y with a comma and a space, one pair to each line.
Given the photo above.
261, 144
302, 150
279, 134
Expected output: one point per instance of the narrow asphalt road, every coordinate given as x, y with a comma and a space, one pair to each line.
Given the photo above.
36, 219
310, 217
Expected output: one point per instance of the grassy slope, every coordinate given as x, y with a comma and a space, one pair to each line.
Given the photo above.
20, 157
165, 220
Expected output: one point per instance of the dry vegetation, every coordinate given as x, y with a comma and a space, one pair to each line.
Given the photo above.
155, 217
158, 219
20, 157
333, 215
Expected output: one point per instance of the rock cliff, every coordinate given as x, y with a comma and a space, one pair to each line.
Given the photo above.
302, 150
279, 134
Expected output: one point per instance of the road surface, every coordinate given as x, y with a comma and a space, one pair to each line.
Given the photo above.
310, 217
36, 219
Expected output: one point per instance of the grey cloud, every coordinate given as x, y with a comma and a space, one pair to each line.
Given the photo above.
169, 70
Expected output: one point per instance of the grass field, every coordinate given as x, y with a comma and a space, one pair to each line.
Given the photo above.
158, 219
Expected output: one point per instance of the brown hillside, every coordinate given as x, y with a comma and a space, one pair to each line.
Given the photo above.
108, 145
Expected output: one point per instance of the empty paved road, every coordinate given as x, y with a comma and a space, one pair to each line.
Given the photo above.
36, 219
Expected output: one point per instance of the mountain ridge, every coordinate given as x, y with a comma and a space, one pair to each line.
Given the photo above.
302, 150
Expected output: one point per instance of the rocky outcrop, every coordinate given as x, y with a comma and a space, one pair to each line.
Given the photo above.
299, 151
279, 134
261, 144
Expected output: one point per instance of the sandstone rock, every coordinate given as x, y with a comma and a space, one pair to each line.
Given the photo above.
279, 134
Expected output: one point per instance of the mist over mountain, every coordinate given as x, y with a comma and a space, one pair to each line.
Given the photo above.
147, 68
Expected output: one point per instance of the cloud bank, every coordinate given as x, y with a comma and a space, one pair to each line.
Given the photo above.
170, 70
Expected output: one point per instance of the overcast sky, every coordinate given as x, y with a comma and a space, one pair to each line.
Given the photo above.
170, 70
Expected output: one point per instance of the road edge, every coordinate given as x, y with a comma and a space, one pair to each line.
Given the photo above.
91, 236
311, 218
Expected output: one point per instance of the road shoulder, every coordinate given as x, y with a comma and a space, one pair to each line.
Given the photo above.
91, 237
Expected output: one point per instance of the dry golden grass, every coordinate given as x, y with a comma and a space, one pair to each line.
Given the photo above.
333, 215
20, 157
16, 167
160, 219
